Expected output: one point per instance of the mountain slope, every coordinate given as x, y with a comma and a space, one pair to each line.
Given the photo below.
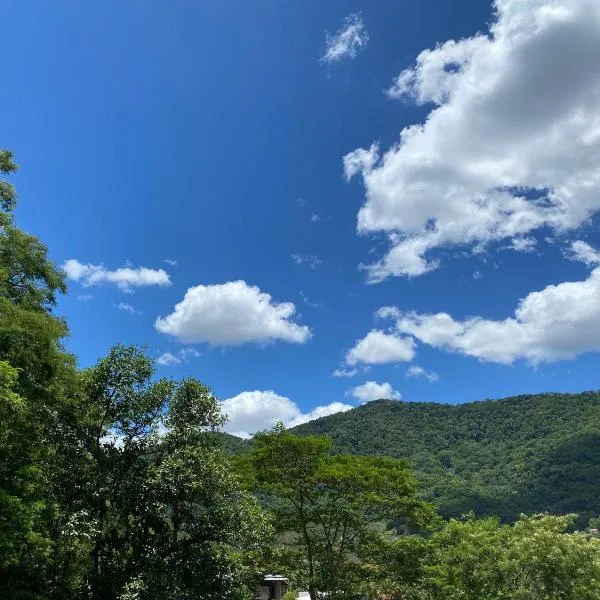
522, 454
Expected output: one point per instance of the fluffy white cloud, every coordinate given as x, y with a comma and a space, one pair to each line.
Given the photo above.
372, 390
511, 144
347, 41
583, 252
232, 313
125, 277
559, 322
250, 412
378, 347
416, 372
309, 260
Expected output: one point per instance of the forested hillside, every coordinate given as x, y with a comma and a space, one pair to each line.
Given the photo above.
503, 457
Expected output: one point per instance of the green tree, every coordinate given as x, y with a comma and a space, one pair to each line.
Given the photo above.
337, 505
536, 559
43, 377
161, 512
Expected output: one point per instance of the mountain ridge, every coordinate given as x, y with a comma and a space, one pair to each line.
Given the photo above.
522, 454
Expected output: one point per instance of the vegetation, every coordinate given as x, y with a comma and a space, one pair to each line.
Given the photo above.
527, 454
334, 504
115, 485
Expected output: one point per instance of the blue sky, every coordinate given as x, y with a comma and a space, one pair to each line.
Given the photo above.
222, 136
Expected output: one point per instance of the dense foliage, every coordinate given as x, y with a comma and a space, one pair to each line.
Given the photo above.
334, 504
526, 454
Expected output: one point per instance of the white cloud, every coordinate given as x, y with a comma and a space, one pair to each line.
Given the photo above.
523, 244
378, 347
372, 390
85, 297
171, 261
124, 306
559, 322
315, 218
345, 372
125, 278
168, 359
232, 313
310, 260
583, 252
416, 372
186, 353
254, 411
511, 143
347, 41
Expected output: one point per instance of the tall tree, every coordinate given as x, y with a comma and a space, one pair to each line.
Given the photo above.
337, 505
30, 343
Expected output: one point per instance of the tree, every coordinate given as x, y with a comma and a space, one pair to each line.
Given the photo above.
337, 505
536, 559
42, 375
162, 513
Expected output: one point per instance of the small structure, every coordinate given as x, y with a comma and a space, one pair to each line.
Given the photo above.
272, 587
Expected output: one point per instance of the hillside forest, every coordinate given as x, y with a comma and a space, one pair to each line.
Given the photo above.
117, 484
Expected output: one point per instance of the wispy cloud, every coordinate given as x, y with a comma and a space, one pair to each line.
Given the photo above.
308, 302
124, 306
171, 261
345, 372
309, 260
85, 297
347, 41
416, 372
169, 359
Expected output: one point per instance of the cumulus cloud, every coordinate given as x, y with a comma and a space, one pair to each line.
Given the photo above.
583, 252
309, 260
254, 411
559, 322
347, 41
416, 372
372, 390
511, 143
125, 278
378, 347
231, 314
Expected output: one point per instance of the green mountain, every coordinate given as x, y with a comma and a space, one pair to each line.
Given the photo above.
526, 454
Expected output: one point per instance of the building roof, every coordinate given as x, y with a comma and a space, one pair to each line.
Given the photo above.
270, 577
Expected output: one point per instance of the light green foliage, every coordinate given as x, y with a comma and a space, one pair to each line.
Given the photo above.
483, 560
336, 505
